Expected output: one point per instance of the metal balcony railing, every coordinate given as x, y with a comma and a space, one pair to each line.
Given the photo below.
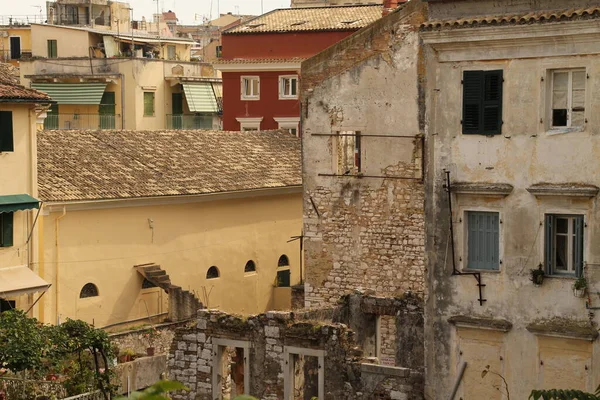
82, 121
12, 20
184, 121
7, 55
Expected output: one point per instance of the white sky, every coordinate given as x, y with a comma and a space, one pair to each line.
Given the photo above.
185, 9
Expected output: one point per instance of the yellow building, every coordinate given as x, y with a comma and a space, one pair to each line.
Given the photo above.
212, 210
19, 110
15, 43
99, 82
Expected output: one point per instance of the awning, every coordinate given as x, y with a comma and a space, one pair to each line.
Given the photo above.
73, 93
17, 202
15, 281
200, 97
148, 40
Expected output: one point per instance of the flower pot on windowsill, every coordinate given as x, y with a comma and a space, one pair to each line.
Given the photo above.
579, 292
150, 351
537, 276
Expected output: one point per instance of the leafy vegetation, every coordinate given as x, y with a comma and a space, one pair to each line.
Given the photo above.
158, 391
557, 394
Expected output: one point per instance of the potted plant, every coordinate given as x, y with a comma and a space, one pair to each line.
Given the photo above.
126, 355
537, 276
579, 287
150, 335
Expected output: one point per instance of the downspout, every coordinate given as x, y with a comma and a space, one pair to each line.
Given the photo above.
122, 100
57, 259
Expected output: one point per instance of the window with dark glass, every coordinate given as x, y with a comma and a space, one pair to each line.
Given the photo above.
482, 102
6, 229
212, 273
88, 290
6, 131
250, 266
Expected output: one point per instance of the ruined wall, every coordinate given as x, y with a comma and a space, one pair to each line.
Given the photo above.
138, 341
271, 338
364, 227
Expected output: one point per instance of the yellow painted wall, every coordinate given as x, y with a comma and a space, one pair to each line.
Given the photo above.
17, 176
23, 32
102, 246
70, 42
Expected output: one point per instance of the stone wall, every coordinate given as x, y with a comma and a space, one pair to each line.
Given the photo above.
270, 339
138, 342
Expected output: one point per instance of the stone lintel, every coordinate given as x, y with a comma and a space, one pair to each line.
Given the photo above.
563, 189
386, 370
464, 321
565, 329
482, 188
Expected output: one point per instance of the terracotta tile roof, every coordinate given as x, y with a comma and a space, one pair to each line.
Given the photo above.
260, 60
95, 165
335, 18
521, 19
11, 90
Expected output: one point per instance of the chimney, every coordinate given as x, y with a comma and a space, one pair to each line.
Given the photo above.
391, 5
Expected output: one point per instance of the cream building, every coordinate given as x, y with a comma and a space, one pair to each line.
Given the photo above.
212, 210
98, 83
20, 108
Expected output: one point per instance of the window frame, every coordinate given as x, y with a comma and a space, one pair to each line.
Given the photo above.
97, 292
284, 96
249, 124
7, 229
289, 124
153, 104
481, 101
252, 96
173, 48
213, 277
551, 128
549, 262
52, 50
465, 217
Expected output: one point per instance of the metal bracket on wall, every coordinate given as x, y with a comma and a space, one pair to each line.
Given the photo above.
455, 271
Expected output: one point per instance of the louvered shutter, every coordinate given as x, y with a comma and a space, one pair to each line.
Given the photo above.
472, 102
6, 131
492, 102
6, 220
483, 240
548, 243
578, 246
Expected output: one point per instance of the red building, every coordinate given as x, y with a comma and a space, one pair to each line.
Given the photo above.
261, 61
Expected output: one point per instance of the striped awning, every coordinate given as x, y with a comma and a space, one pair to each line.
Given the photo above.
200, 97
73, 93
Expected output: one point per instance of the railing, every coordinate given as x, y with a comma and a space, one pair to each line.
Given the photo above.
183, 121
82, 121
25, 389
22, 19
5, 55
97, 395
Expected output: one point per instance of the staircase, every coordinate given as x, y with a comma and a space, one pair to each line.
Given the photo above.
183, 304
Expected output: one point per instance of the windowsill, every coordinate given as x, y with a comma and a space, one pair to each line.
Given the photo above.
560, 131
250, 98
246, 274
491, 271
149, 116
570, 277
289, 98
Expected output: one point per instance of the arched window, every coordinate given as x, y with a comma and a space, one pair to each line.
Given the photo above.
212, 273
146, 284
250, 266
283, 261
88, 290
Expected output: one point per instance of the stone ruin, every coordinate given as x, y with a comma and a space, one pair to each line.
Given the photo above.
365, 348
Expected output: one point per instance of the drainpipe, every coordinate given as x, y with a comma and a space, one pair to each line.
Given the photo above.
122, 100
57, 258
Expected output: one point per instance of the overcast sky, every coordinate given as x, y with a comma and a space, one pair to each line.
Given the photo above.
185, 9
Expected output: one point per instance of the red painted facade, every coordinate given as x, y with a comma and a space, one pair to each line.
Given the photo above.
267, 46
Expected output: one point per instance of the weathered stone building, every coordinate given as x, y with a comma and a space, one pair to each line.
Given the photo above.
513, 119
363, 163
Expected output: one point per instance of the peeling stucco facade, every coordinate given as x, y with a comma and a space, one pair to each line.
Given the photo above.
364, 226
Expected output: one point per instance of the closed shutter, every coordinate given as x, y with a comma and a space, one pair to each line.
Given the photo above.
548, 243
578, 246
483, 240
52, 49
6, 131
492, 102
149, 104
482, 102
6, 224
472, 101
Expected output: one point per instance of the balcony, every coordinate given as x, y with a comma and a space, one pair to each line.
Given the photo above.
82, 121
183, 121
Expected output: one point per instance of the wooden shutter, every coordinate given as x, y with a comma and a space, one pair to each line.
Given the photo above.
472, 101
492, 102
6, 131
6, 224
578, 246
483, 240
548, 242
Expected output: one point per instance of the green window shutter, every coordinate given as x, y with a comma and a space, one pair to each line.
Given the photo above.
6, 131
6, 224
548, 242
492, 102
483, 240
578, 246
148, 104
52, 49
472, 120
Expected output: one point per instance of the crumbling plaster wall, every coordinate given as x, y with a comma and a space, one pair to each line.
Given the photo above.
365, 232
524, 154
345, 377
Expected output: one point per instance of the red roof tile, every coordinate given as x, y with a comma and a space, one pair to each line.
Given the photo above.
11, 90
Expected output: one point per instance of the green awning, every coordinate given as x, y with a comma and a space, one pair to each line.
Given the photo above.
73, 93
17, 202
200, 97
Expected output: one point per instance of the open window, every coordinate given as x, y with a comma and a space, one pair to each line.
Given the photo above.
567, 104
563, 244
283, 272
250, 87
212, 273
250, 267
